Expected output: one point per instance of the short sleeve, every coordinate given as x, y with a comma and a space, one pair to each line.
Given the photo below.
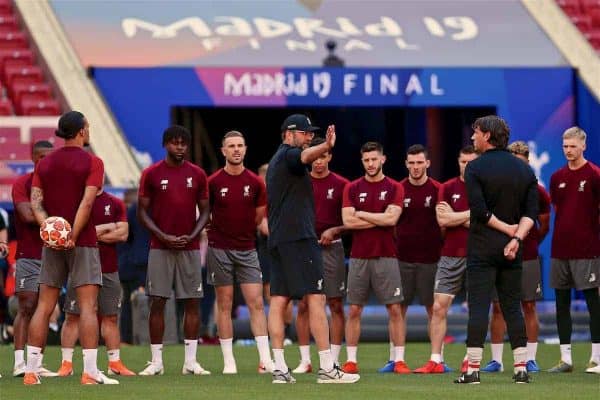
261, 193
121, 213
19, 192
398, 195
145, 189
544, 199
293, 160
346, 200
96, 176
202, 186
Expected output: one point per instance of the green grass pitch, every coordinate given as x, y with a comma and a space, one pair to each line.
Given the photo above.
248, 384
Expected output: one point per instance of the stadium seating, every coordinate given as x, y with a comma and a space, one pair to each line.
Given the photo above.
585, 14
26, 91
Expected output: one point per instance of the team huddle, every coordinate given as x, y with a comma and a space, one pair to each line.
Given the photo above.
417, 239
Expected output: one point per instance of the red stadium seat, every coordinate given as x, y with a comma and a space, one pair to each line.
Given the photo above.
570, 6
588, 5
16, 57
594, 39
13, 40
43, 133
6, 107
15, 151
34, 107
39, 90
14, 74
8, 23
595, 14
583, 22
6, 7
10, 134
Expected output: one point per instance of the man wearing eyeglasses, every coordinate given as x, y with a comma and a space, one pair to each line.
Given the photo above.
297, 264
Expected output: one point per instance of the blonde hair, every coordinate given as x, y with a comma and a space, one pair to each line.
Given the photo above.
519, 147
575, 132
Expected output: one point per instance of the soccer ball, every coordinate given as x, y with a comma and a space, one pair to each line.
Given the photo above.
55, 231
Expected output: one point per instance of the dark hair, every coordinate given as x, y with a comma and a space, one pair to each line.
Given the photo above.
233, 134
371, 146
317, 140
468, 149
417, 149
69, 124
497, 128
42, 144
176, 132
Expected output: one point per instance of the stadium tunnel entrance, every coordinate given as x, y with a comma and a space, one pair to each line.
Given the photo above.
443, 130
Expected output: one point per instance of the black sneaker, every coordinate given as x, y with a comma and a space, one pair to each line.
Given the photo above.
469, 379
521, 377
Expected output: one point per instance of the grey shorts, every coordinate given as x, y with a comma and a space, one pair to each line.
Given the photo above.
228, 266
80, 265
531, 282
109, 296
380, 274
451, 275
178, 267
334, 270
27, 275
580, 274
418, 280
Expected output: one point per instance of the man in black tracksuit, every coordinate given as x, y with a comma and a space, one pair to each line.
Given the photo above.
502, 191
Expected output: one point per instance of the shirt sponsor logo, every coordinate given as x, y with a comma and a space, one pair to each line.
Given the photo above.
455, 197
107, 209
406, 202
582, 185
247, 191
428, 201
224, 191
189, 182
330, 193
362, 197
164, 183
382, 195
562, 185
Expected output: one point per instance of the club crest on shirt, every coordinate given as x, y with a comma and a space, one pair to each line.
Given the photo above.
362, 197
330, 193
406, 202
224, 191
455, 197
107, 209
582, 186
189, 181
428, 201
164, 183
246, 190
382, 194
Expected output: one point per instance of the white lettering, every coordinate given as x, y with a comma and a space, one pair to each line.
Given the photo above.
211, 43
435, 89
357, 44
401, 43
254, 43
387, 27
388, 84
237, 27
349, 83
468, 27
269, 28
294, 45
413, 86
434, 27
347, 26
322, 84
196, 25
368, 84
307, 27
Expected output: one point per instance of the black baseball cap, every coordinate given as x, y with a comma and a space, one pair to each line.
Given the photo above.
298, 122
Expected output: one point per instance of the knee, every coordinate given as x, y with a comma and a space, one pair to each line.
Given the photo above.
395, 312
302, 306
354, 312
529, 308
336, 307
157, 304
27, 308
256, 304
439, 310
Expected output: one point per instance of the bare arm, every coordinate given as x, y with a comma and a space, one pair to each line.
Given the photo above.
204, 208
263, 226
448, 218
3, 241
310, 154
105, 228
387, 218
116, 235
260, 215
25, 212
351, 221
83, 212
544, 220
331, 234
144, 217
37, 199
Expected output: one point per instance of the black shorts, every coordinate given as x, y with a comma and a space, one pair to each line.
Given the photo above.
264, 258
296, 269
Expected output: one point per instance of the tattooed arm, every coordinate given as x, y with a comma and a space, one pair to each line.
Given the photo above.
37, 200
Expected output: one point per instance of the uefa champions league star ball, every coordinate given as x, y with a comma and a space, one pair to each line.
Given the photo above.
55, 231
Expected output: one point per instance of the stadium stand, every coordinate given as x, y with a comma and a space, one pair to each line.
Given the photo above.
585, 14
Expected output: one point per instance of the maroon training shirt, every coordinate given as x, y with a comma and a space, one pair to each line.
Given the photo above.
576, 196
418, 235
108, 209
532, 240
328, 193
454, 192
233, 203
29, 243
174, 192
63, 176
373, 197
